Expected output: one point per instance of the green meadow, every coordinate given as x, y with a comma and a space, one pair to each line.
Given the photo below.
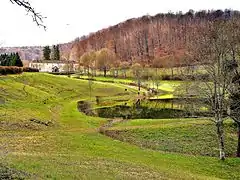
44, 136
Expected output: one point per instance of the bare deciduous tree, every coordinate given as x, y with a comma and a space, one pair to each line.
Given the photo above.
104, 59
234, 46
210, 48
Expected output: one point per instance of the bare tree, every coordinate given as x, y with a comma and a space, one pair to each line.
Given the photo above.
36, 16
235, 108
104, 59
137, 72
234, 46
210, 48
88, 61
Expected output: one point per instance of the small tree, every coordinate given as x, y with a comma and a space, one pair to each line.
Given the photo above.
115, 68
87, 60
104, 59
137, 72
124, 66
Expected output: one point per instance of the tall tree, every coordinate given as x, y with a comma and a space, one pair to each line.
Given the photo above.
46, 53
18, 60
235, 107
234, 46
55, 53
210, 48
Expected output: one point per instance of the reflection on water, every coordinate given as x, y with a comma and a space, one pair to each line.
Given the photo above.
178, 103
156, 109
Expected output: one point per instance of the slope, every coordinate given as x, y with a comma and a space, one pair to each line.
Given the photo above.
70, 147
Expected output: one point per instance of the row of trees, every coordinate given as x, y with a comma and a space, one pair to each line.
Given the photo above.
12, 59
105, 60
101, 59
51, 54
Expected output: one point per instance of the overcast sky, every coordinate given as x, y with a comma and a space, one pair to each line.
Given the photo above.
68, 19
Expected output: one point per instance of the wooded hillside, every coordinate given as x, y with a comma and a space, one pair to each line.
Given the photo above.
155, 40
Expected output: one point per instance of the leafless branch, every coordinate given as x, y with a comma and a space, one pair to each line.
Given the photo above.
36, 17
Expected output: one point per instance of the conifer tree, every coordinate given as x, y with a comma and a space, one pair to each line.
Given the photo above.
46, 53
18, 60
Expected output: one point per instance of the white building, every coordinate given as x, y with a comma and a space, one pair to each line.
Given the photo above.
54, 66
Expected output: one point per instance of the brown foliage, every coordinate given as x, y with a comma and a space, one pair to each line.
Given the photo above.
151, 37
4, 70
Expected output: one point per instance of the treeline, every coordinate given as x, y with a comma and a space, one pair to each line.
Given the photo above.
12, 59
159, 41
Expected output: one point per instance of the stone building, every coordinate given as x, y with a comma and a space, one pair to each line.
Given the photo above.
54, 66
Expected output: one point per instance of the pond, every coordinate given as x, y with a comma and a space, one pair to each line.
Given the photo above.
148, 109
142, 112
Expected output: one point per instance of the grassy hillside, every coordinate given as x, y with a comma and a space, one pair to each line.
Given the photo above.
70, 147
188, 136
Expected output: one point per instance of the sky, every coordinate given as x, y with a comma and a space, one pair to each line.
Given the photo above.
69, 19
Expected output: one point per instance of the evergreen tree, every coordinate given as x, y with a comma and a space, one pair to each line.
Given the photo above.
12, 59
3, 59
8, 60
18, 60
55, 52
46, 53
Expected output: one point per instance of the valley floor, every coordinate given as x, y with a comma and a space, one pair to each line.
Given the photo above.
44, 136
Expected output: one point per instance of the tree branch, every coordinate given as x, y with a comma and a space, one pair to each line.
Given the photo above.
36, 17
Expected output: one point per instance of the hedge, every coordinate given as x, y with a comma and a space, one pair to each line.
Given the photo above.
4, 70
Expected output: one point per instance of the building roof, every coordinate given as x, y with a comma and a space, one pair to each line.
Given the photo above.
51, 61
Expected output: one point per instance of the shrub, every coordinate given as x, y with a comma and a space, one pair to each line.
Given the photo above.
29, 69
4, 70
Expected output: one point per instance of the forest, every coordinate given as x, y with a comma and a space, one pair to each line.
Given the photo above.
162, 40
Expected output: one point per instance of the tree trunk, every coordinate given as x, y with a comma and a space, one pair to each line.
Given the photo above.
139, 85
221, 140
105, 71
238, 148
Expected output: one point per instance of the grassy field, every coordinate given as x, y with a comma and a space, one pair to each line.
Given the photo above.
70, 146
165, 86
187, 136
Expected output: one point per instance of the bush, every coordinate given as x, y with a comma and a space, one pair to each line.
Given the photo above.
200, 77
4, 70
29, 69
